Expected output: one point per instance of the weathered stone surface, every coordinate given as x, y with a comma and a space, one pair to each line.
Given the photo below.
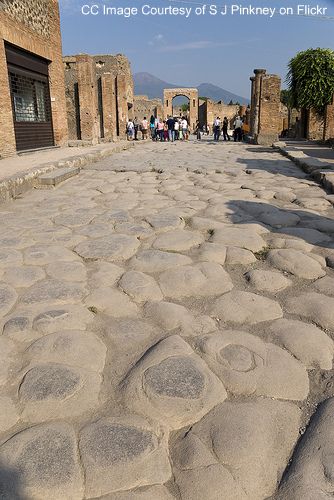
112, 302
178, 240
10, 257
267, 281
310, 475
203, 279
75, 348
247, 365
41, 462
116, 247
325, 285
18, 327
205, 224
306, 342
145, 493
73, 219
312, 236
165, 222
104, 274
52, 290
23, 276
8, 297
244, 307
8, 415
140, 287
172, 385
53, 388
153, 261
67, 271
39, 255
315, 307
122, 453
173, 316
295, 262
275, 241
66, 317
237, 237
236, 256
248, 472
212, 252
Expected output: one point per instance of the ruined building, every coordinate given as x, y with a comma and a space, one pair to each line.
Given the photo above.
33, 108
265, 116
99, 97
143, 106
208, 111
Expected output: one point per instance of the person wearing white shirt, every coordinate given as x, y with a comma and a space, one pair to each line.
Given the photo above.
238, 129
216, 129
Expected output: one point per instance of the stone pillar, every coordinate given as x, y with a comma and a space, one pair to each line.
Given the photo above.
269, 110
109, 106
168, 104
7, 136
193, 108
329, 121
87, 88
259, 73
122, 104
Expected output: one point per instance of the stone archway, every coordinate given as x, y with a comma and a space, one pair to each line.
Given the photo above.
191, 94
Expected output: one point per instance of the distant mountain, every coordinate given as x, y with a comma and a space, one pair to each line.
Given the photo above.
150, 85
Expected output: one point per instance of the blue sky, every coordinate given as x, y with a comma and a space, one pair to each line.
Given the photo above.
222, 50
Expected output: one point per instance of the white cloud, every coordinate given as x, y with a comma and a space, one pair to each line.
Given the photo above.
195, 45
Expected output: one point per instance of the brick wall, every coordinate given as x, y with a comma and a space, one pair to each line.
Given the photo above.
33, 26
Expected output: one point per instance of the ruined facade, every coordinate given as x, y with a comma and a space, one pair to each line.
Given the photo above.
99, 97
314, 127
143, 106
33, 108
209, 110
265, 117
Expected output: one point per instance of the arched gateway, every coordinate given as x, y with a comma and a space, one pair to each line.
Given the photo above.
191, 94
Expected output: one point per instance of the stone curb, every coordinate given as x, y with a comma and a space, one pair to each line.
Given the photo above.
318, 170
13, 186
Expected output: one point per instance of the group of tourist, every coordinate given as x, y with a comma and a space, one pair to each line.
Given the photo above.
174, 129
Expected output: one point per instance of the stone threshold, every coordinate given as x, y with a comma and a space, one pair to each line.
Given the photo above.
319, 170
20, 182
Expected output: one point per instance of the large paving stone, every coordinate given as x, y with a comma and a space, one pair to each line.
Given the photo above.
9, 415
140, 286
141, 231
310, 475
8, 297
267, 281
176, 317
172, 384
39, 255
152, 261
315, 307
247, 365
122, 453
244, 307
267, 430
178, 240
23, 276
116, 247
56, 389
75, 348
104, 274
324, 285
296, 262
200, 280
236, 256
165, 222
111, 301
275, 241
113, 216
239, 237
59, 318
74, 219
67, 271
8, 356
145, 493
212, 252
312, 236
306, 342
52, 290
10, 257
41, 462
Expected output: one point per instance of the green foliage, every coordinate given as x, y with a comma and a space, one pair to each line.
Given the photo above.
202, 98
286, 98
185, 107
311, 79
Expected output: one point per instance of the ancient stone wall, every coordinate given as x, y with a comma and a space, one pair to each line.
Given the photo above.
192, 95
329, 122
143, 106
265, 117
111, 89
33, 26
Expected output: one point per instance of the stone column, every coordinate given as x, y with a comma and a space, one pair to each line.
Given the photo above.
87, 88
122, 104
7, 135
109, 106
168, 104
259, 73
193, 108
269, 110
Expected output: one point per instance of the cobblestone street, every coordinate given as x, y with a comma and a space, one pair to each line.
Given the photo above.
167, 330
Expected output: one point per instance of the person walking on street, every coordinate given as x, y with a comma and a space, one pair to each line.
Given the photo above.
225, 129
160, 130
184, 127
171, 126
130, 128
216, 129
144, 128
152, 127
136, 127
176, 129
198, 131
238, 129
